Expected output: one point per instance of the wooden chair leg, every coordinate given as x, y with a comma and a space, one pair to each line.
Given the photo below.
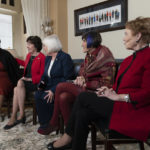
34, 114
141, 145
108, 145
8, 107
93, 137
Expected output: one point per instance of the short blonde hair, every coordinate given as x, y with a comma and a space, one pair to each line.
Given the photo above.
140, 25
52, 43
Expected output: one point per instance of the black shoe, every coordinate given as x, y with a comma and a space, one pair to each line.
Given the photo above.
51, 147
7, 127
23, 120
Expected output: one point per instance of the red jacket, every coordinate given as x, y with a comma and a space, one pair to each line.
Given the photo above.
37, 68
129, 119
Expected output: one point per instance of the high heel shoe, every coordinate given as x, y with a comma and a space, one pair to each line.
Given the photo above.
7, 127
22, 120
51, 147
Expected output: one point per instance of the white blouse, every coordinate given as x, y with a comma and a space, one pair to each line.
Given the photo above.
50, 67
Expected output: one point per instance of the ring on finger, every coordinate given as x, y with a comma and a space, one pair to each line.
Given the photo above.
102, 93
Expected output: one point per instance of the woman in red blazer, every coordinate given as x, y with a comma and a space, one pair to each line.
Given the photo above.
33, 70
124, 108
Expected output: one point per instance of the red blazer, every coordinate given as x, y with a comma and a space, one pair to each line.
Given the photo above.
37, 68
129, 119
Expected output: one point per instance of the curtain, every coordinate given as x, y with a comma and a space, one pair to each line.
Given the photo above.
35, 11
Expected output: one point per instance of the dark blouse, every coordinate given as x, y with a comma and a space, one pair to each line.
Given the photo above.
28, 70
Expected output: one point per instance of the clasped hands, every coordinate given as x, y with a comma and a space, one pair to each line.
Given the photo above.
80, 81
107, 92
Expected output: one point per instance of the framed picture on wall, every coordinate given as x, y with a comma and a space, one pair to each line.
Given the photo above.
24, 26
105, 16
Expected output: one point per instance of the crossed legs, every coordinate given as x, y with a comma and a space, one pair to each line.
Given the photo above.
18, 102
65, 96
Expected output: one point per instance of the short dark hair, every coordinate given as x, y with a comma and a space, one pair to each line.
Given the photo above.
36, 41
92, 38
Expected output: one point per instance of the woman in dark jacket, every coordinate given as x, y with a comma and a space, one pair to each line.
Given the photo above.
96, 71
9, 74
58, 68
126, 107
33, 70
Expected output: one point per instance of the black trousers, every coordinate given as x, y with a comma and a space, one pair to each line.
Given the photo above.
87, 108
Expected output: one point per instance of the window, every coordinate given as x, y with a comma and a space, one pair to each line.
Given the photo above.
3, 1
6, 31
11, 2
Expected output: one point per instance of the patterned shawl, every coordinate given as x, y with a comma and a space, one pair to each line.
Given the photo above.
97, 68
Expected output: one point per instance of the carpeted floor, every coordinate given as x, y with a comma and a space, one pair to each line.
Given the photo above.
25, 137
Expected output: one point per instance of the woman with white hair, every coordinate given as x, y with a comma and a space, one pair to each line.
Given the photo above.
58, 68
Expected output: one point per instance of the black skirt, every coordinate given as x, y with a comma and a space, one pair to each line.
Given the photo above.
29, 86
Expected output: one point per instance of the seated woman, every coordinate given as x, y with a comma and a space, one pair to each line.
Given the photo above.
126, 107
33, 70
9, 75
58, 68
96, 70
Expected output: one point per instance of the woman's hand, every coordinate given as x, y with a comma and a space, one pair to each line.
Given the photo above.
80, 81
26, 79
41, 85
49, 96
101, 90
109, 93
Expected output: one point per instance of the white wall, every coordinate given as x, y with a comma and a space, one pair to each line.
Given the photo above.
112, 39
18, 33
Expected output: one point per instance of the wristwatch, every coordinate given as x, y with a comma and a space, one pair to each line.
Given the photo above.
127, 98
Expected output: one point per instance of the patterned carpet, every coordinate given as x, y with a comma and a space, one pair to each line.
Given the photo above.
25, 137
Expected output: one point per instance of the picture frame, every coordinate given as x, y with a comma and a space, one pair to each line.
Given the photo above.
24, 26
102, 17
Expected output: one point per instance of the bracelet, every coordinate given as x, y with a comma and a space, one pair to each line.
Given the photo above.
127, 98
